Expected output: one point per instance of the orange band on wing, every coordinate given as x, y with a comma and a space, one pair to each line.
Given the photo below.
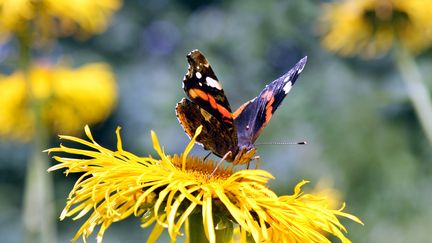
268, 95
269, 110
269, 106
194, 93
240, 110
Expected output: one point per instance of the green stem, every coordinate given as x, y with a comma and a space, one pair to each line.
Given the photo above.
196, 229
224, 230
417, 90
38, 215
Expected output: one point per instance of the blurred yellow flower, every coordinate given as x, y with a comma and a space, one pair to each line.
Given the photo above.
325, 188
68, 99
371, 27
169, 191
56, 17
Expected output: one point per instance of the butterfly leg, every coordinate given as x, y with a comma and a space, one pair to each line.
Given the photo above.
258, 160
218, 164
206, 156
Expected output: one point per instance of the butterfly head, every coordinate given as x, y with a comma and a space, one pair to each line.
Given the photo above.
244, 155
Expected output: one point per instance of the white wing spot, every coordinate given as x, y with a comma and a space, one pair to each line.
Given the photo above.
198, 75
287, 87
213, 83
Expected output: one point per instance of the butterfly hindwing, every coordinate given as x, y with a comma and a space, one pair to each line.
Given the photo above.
214, 136
254, 115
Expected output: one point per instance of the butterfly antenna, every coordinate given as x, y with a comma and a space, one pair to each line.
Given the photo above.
283, 143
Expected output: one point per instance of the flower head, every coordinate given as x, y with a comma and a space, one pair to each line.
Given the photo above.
56, 17
170, 190
68, 98
372, 27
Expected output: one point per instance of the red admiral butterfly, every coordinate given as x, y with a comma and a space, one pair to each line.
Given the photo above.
228, 135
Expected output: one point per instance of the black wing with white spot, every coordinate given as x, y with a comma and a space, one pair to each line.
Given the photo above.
203, 88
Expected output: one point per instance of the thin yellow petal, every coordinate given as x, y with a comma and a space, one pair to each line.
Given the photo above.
208, 219
183, 218
156, 232
159, 150
119, 141
190, 146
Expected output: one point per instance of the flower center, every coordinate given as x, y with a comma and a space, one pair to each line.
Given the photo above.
385, 15
203, 168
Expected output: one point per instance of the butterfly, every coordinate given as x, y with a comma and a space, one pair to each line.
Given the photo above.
228, 135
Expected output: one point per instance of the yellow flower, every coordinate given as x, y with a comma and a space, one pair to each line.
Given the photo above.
172, 191
324, 188
56, 17
372, 27
68, 98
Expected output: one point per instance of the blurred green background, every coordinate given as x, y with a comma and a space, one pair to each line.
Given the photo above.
362, 133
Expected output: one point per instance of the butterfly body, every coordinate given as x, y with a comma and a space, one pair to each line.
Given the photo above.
227, 134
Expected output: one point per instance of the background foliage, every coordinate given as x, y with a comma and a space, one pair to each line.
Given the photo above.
363, 137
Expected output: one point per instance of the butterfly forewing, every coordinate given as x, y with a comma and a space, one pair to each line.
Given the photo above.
254, 115
203, 88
